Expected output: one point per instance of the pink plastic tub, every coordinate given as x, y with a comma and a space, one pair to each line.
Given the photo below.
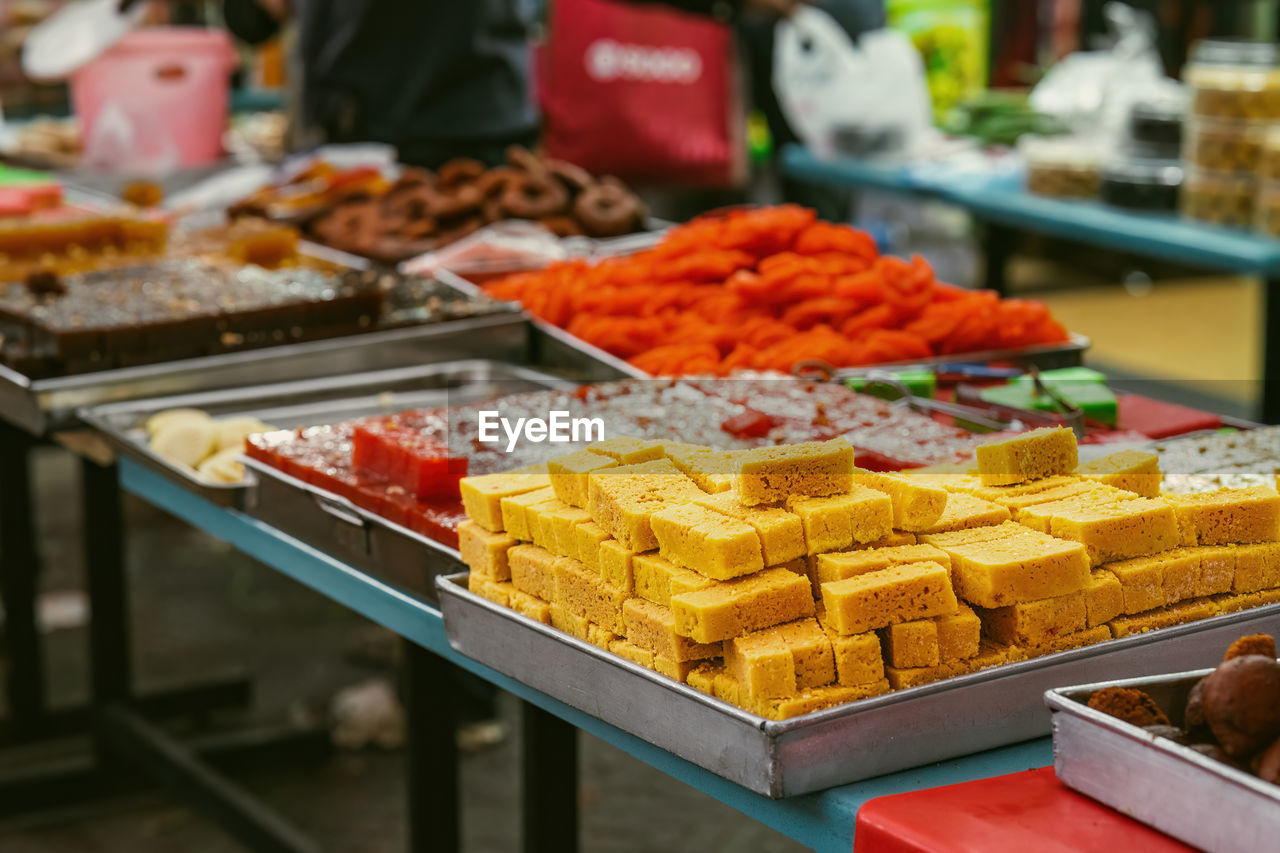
155, 100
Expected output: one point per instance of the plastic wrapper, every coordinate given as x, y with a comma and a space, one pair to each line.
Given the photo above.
499, 249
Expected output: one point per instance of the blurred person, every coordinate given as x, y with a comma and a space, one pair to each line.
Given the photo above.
437, 79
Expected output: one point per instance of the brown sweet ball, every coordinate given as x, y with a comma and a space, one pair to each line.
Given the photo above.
1266, 764
1193, 716
1254, 644
43, 283
1241, 701
1131, 706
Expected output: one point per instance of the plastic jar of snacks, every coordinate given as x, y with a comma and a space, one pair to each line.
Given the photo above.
1222, 145
1061, 166
1225, 198
1234, 79
1142, 183
1266, 214
1269, 160
1159, 122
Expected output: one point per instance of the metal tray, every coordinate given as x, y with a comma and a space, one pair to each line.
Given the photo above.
361, 539
556, 347
899, 730
1163, 784
310, 402
41, 406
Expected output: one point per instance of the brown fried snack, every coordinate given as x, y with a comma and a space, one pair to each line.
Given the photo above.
1241, 700
1254, 644
1131, 706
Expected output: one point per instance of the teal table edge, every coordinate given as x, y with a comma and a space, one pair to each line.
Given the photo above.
824, 821
1155, 235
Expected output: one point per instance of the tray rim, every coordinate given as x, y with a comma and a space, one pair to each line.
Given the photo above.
33, 411
780, 728
1061, 700
232, 494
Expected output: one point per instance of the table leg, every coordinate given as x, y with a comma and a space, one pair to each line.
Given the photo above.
997, 249
432, 752
109, 634
550, 782
19, 581
1270, 402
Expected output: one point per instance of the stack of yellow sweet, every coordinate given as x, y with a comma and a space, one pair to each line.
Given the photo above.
786, 580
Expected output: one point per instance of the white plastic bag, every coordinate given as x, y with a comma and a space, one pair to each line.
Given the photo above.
828, 86
1093, 92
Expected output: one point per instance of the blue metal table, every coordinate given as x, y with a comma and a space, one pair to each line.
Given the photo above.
1005, 207
823, 821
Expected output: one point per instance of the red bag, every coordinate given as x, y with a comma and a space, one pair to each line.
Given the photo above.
643, 92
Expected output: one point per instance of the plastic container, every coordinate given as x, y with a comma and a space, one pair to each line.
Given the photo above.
1269, 163
155, 100
1224, 145
1061, 166
1142, 184
1225, 198
1158, 122
1266, 215
1234, 79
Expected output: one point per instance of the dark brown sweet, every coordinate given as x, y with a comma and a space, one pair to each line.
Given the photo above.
1253, 644
1193, 716
44, 283
1241, 701
1266, 764
1131, 706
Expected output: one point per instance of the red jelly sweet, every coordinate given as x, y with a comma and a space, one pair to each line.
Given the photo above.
408, 458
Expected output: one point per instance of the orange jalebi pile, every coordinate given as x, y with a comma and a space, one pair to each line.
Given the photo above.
766, 288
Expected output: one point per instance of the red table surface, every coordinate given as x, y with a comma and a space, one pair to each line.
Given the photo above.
1019, 812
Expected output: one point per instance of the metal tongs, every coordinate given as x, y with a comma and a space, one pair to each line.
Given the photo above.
972, 408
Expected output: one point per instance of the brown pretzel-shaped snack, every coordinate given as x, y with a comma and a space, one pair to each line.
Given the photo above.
535, 197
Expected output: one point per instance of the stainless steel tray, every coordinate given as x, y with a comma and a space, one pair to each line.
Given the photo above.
44, 405
309, 402
361, 539
1163, 784
556, 347
867, 738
